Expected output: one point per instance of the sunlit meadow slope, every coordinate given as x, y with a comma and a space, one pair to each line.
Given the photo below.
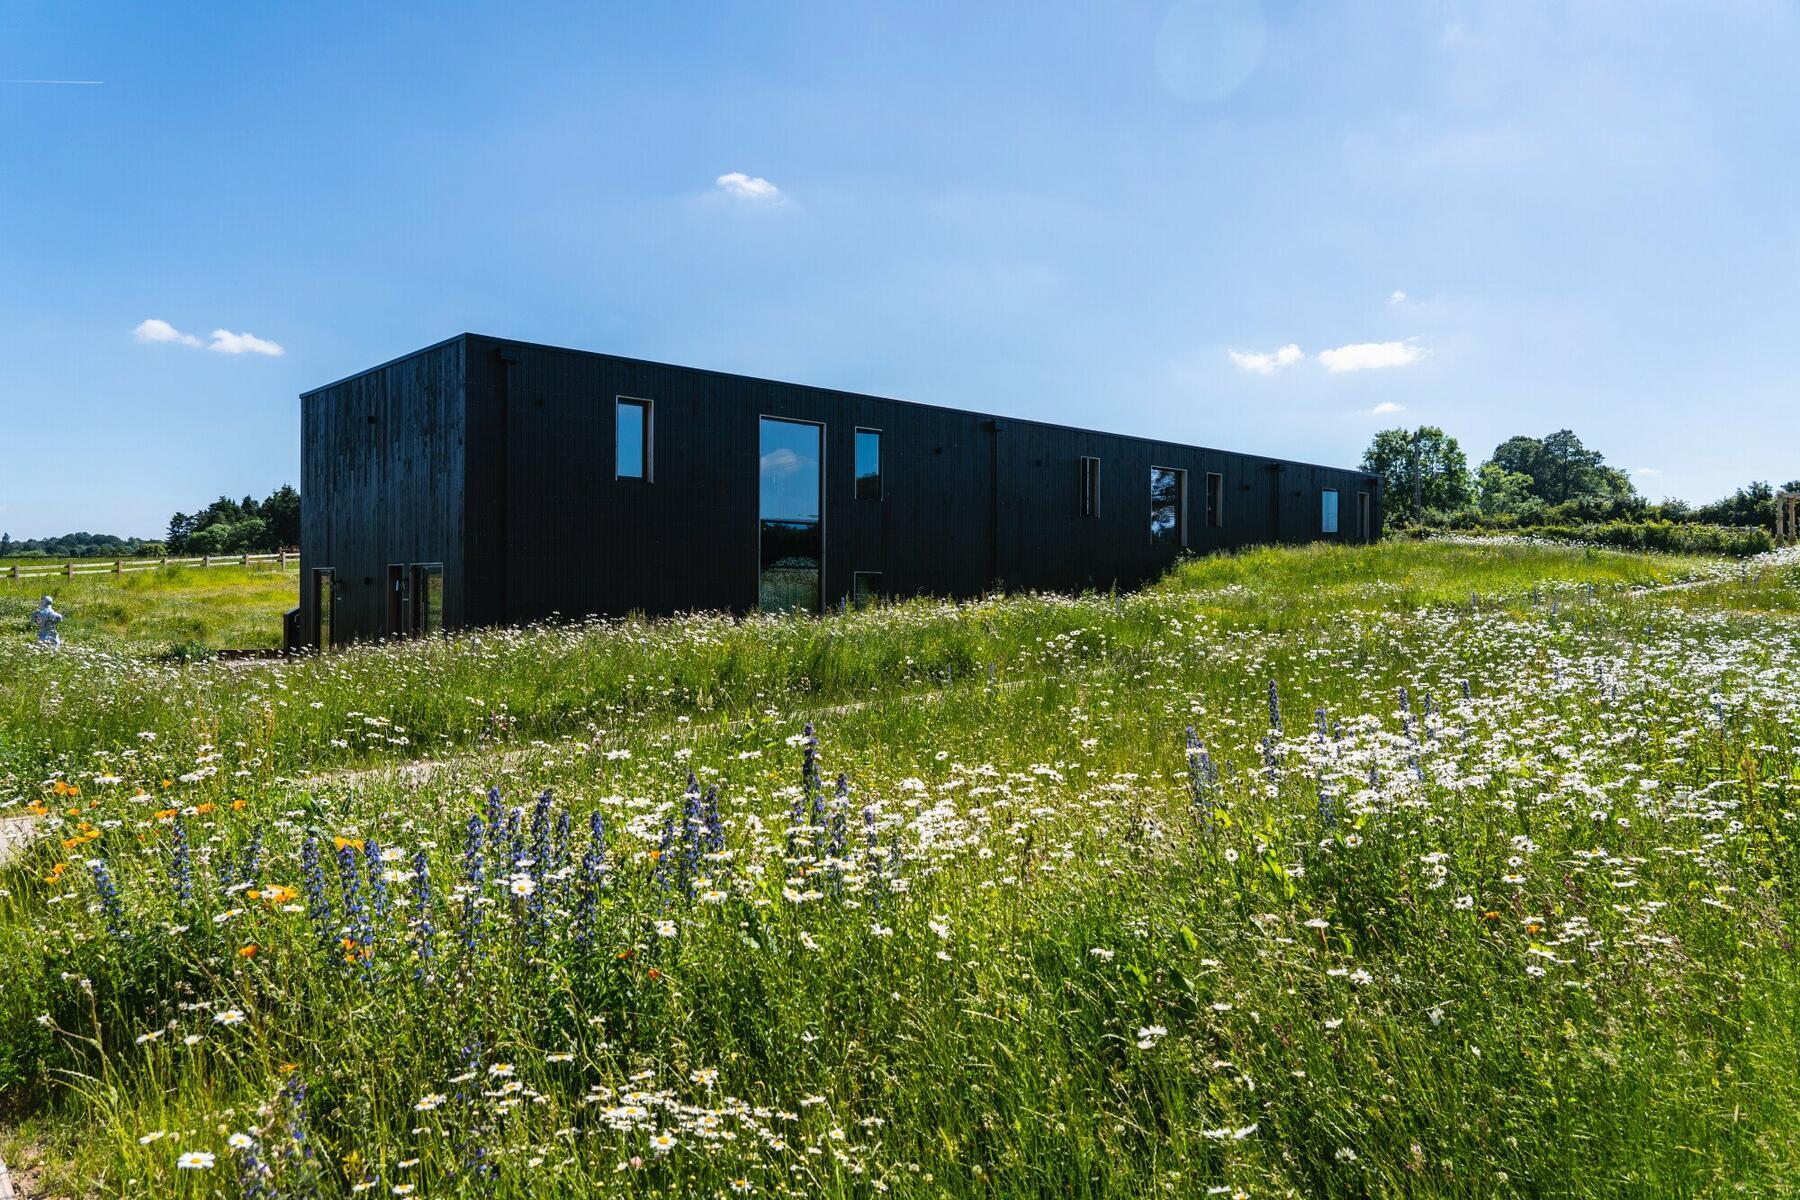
1475, 876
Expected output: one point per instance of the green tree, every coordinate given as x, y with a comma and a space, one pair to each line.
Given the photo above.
1504, 493
281, 511
1420, 469
1561, 468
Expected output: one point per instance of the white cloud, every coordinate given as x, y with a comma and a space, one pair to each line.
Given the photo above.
154, 330
1645, 471
1267, 364
782, 461
1369, 356
227, 342
748, 187
1397, 297
1386, 407
224, 341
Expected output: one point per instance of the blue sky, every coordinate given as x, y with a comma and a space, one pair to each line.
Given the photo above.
1501, 218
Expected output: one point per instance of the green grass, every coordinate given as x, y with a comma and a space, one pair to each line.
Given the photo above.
219, 607
1529, 936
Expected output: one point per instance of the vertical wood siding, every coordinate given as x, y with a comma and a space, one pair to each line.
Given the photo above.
382, 469
528, 478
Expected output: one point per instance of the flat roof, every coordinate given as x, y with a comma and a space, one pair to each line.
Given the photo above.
812, 387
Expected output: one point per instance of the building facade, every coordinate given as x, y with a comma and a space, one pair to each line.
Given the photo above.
482, 481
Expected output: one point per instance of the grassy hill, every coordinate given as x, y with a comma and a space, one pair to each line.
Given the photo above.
227, 607
1474, 876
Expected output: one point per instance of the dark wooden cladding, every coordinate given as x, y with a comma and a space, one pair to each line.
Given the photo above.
383, 456
497, 459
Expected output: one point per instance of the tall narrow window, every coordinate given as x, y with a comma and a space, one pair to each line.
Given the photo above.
865, 588
427, 598
1090, 487
1215, 499
868, 464
1328, 511
1168, 520
323, 602
792, 500
632, 444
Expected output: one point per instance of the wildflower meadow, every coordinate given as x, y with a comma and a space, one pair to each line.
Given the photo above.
1420, 869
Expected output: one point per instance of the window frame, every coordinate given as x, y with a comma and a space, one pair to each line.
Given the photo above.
1088, 499
324, 585
1337, 506
824, 496
872, 596
418, 605
856, 477
1180, 540
647, 448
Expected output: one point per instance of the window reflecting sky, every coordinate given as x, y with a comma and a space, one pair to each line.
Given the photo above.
631, 441
790, 471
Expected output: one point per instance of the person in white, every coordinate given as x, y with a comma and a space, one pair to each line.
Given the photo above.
46, 618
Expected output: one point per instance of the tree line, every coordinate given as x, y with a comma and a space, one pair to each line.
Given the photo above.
246, 526
226, 526
1530, 481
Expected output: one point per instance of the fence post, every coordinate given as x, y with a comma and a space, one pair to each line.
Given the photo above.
118, 566
15, 571
246, 561
283, 557
206, 560
68, 570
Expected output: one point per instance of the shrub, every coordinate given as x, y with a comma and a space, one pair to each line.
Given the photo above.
1667, 537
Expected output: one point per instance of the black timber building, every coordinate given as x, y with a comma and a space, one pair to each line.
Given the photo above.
482, 481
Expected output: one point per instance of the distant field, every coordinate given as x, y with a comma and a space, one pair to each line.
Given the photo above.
230, 607
1408, 870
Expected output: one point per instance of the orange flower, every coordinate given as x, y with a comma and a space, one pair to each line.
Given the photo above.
168, 783
654, 974
166, 814
275, 893
247, 951
1490, 915
238, 805
56, 872
205, 808
344, 843
287, 1068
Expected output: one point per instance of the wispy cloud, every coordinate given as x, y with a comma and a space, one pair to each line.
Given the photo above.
749, 187
1370, 356
154, 331
1397, 297
227, 342
1385, 408
1645, 471
1266, 364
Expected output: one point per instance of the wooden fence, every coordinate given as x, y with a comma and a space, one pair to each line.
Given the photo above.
121, 566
